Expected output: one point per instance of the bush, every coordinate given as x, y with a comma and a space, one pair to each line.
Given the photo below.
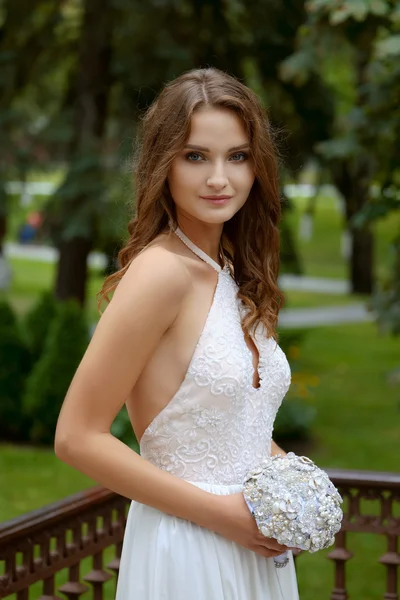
289, 338
295, 416
122, 429
7, 315
37, 323
15, 363
49, 380
293, 421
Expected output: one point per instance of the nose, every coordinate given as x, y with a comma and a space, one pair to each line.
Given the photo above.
217, 178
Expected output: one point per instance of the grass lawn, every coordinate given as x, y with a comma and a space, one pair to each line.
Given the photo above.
302, 299
34, 477
358, 411
358, 427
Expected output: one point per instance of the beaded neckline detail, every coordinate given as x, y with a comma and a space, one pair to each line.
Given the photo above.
198, 251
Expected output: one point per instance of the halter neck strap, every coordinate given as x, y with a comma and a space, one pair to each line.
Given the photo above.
196, 250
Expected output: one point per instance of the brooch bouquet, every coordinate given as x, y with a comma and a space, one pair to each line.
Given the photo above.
294, 502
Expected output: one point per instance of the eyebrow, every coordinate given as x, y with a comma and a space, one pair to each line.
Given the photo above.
204, 149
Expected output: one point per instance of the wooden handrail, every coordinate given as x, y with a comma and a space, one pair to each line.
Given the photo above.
54, 513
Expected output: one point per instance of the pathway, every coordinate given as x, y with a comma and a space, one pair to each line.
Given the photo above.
327, 315
289, 318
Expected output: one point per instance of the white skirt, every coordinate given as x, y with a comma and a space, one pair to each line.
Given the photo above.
168, 558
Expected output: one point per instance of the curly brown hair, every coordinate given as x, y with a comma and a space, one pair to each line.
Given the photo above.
250, 239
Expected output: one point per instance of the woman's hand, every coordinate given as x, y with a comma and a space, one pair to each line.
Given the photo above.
238, 524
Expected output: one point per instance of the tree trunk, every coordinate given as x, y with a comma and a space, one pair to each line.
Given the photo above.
361, 271
72, 269
354, 176
90, 104
353, 184
361, 261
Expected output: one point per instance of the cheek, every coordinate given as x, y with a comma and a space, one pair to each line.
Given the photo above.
246, 177
181, 177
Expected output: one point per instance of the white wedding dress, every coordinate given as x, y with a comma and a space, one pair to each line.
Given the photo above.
215, 428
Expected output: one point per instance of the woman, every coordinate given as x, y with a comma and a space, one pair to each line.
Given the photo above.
188, 344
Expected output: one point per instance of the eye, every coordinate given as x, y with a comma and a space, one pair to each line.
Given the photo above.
240, 156
193, 156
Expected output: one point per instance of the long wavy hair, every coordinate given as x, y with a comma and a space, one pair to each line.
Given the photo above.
250, 239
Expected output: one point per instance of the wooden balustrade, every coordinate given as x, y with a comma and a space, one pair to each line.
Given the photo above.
60, 536
38, 545
384, 488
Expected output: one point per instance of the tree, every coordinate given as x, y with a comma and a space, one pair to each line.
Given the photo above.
25, 30
351, 32
77, 204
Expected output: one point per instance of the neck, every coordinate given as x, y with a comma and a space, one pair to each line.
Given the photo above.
208, 238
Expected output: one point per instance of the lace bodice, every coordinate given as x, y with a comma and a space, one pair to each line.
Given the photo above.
217, 425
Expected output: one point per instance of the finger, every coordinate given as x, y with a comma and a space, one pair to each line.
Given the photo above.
274, 545
263, 551
272, 549
273, 542
267, 552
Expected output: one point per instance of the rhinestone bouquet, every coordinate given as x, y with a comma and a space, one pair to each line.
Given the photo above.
294, 502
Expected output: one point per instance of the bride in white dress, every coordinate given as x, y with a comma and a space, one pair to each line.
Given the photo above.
188, 344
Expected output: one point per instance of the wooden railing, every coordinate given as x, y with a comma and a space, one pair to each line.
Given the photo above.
38, 545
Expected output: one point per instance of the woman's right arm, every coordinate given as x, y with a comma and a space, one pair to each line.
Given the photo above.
145, 304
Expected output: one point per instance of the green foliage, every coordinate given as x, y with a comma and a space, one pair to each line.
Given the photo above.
295, 416
289, 338
15, 362
78, 203
122, 429
388, 46
376, 209
363, 152
37, 322
293, 421
340, 11
49, 380
386, 303
8, 318
386, 300
296, 67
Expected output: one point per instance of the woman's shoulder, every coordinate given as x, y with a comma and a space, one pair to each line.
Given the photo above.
157, 267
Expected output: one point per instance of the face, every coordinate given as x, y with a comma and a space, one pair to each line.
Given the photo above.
214, 162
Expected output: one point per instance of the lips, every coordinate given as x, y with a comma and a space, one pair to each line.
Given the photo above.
216, 197
216, 200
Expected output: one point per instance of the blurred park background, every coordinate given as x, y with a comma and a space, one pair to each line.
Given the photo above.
75, 77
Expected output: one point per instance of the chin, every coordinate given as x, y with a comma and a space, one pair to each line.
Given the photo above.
219, 214
217, 218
